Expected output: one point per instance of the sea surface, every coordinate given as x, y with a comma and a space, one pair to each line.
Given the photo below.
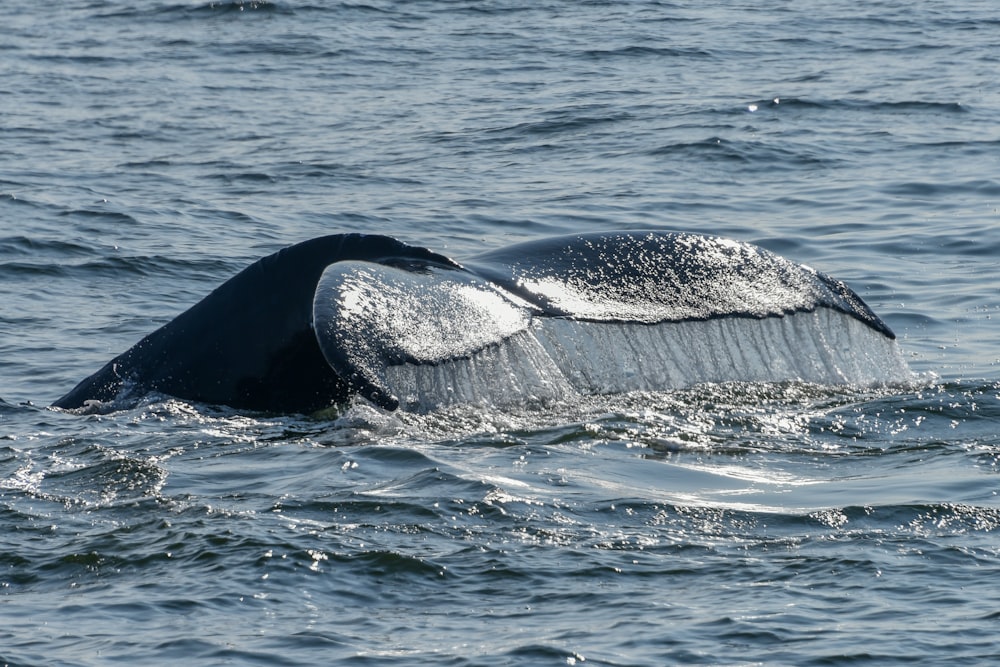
149, 150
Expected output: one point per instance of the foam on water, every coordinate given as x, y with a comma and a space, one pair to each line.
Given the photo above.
557, 359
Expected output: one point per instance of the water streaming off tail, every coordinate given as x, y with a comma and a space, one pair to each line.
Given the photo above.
558, 358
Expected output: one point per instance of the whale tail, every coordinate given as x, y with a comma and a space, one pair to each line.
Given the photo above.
339, 315
594, 313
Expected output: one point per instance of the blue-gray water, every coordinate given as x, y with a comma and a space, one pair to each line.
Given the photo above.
149, 150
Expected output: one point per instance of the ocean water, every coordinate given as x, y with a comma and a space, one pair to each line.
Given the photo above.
150, 150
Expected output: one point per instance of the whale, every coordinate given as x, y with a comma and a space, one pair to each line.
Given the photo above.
345, 317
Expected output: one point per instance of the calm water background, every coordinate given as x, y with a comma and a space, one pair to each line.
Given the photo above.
149, 150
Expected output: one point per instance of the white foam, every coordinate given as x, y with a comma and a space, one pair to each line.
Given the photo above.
558, 358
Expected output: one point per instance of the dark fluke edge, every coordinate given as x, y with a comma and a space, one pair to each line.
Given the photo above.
312, 325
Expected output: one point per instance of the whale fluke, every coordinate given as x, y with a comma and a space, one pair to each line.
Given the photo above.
318, 322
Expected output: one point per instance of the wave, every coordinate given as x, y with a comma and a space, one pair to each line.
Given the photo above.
982, 187
781, 104
645, 52
562, 120
26, 246
757, 153
185, 11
